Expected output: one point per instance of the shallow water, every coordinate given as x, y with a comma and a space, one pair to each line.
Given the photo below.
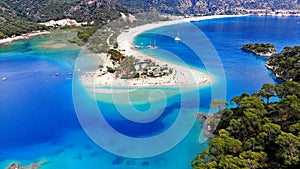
37, 115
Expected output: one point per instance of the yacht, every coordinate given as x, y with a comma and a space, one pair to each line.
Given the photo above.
152, 46
177, 38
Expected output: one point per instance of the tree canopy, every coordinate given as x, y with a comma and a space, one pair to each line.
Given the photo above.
257, 133
286, 64
260, 49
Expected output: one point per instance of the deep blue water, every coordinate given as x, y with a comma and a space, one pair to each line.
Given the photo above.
244, 72
38, 119
30, 109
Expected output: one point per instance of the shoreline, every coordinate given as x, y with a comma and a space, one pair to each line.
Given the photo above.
183, 76
24, 36
125, 39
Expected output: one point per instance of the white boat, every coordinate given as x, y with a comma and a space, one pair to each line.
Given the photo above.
177, 38
152, 46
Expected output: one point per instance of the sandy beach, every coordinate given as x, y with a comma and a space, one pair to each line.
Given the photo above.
125, 39
24, 36
182, 76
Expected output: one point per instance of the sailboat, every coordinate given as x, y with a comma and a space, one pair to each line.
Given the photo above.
152, 46
177, 38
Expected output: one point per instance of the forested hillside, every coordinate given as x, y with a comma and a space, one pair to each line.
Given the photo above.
104, 11
19, 16
286, 64
39, 10
12, 25
80, 10
259, 133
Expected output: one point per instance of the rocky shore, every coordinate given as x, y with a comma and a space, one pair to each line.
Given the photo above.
260, 49
35, 165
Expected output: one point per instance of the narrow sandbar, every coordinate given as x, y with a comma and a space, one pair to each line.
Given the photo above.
182, 76
23, 36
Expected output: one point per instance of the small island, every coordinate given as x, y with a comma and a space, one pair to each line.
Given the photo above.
261, 49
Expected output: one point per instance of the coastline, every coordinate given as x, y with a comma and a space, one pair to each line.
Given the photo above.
183, 76
85, 150
23, 36
125, 39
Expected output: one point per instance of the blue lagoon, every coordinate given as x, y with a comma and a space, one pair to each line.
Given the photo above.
38, 121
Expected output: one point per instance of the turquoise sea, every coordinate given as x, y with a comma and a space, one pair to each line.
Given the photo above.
38, 120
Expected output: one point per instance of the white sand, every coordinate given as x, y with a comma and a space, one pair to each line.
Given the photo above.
125, 39
182, 76
24, 36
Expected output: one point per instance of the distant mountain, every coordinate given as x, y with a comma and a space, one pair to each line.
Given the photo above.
103, 10
207, 6
99, 11
19, 16
38, 10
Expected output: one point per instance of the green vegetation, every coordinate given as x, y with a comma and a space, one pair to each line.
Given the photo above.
39, 10
83, 35
286, 64
110, 69
81, 10
103, 18
129, 67
257, 134
100, 38
86, 33
76, 41
260, 49
19, 16
11, 25
115, 55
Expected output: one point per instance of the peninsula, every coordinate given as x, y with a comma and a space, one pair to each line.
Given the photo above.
261, 49
127, 67
285, 65
143, 71
24, 36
